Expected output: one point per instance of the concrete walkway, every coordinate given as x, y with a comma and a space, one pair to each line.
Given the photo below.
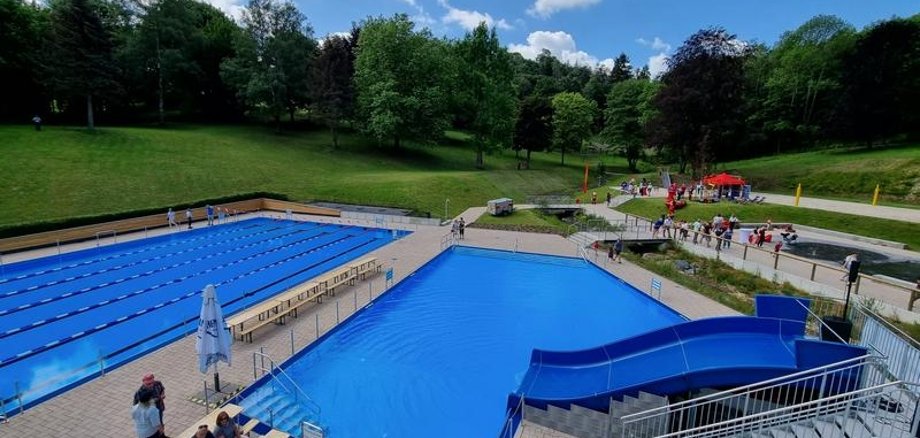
896, 213
101, 407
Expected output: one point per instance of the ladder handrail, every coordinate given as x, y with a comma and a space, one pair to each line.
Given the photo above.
312, 404
741, 390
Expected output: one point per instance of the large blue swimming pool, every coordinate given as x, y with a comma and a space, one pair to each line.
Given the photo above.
63, 316
439, 354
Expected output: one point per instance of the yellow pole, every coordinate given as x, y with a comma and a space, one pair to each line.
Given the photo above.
798, 194
875, 195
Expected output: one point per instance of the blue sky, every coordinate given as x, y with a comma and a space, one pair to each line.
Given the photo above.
591, 31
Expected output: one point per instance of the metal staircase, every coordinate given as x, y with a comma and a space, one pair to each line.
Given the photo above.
588, 423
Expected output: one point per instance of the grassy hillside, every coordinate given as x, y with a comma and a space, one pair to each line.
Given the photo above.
897, 231
839, 173
65, 172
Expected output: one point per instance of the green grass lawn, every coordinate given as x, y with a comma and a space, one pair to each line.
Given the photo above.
524, 220
68, 172
897, 231
843, 173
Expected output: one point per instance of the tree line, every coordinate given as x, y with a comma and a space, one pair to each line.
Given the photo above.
721, 98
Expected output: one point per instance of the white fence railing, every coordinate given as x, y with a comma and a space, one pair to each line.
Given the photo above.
392, 219
794, 389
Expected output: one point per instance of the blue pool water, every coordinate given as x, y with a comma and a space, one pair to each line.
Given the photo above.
59, 315
439, 354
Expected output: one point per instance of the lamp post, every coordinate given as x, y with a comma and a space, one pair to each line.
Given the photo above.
446, 202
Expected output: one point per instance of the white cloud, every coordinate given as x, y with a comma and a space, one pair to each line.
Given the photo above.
233, 8
560, 44
546, 8
658, 64
420, 17
655, 44
470, 19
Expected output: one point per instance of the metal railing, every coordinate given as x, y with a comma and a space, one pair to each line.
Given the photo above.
310, 430
448, 240
873, 404
820, 273
792, 389
513, 417
106, 232
258, 365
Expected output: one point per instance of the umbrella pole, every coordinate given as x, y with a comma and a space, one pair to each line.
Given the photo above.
216, 378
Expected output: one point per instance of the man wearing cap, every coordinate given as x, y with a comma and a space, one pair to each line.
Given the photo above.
159, 393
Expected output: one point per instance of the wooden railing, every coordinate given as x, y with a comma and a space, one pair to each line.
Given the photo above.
86, 232
822, 273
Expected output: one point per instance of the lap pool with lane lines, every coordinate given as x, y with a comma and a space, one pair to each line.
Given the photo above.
59, 315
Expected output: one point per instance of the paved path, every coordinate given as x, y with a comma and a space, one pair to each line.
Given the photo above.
102, 408
901, 214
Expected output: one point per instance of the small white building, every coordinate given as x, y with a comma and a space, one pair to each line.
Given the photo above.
501, 206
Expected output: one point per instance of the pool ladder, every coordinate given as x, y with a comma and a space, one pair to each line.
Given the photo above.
276, 372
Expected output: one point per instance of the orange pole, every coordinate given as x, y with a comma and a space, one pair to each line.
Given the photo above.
584, 186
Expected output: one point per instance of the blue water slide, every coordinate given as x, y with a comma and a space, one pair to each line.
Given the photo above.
707, 353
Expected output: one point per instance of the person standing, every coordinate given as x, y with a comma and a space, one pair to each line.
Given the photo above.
847, 263
147, 423
608, 199
210, 211
593, 198
462, 227
618, 251
37, 122
226, 428
188, 217
156, 390
171, 218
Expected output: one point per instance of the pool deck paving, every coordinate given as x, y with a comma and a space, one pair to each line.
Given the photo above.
101, 407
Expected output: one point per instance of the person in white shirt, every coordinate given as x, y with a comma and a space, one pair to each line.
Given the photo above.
146, 417
171, 218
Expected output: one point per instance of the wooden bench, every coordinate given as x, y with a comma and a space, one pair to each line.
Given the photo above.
334, 279
211, 420
270, 311
363, 267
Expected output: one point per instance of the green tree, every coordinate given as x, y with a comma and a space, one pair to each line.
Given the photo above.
882, 79
621, 69
626, 114
399, 79
533, 130
271, 68
487, 92
699, 107
573, 116
802, 90
333, 72
81, 63
21, 36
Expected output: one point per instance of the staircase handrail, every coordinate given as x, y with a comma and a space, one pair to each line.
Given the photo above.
508, 424
740, 391
791, 413
583, 253
272, 367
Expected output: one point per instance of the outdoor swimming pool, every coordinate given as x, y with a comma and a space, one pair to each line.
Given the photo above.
439, 354
64, 317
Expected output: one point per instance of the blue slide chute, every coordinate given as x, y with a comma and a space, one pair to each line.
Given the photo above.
707, 353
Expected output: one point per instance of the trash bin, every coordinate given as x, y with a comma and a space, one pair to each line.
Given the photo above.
744, 234
841, 326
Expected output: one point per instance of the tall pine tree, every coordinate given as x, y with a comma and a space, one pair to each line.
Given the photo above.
81, 64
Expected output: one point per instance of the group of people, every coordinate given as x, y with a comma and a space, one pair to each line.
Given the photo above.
149, 404
457, 228
703, 231
216, 215
644, 188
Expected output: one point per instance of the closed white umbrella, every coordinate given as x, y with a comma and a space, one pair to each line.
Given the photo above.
213, 343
